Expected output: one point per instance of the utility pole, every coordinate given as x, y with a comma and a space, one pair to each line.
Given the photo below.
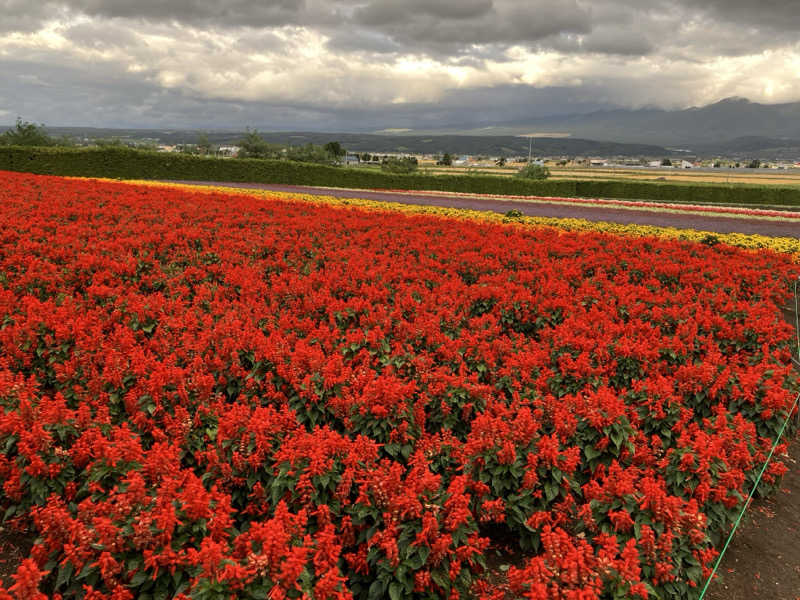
530, 147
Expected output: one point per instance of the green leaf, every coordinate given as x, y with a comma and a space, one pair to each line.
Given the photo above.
395, 591
138, 579
376, 590
415, 562
64, 574
550, 491
440, 578
162, 589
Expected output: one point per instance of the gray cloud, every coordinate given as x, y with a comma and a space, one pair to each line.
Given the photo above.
456, 26
107, 96
371, 64
779, 15
386, 12
101, 35
450, 27
230, 12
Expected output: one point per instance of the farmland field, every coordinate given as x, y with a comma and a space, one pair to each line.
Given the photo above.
717, 176
212, 395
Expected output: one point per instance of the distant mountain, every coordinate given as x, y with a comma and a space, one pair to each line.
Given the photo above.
508, 145
471, 144
753, 146
721, 123
734, 127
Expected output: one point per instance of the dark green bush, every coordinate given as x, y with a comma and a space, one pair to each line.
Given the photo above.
125, 163
534, 171
405, 165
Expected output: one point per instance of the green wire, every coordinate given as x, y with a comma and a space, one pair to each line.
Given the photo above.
749, 498
763, 468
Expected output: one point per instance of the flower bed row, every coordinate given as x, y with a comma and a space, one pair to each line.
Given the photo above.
649, 204
214, 395
742, 240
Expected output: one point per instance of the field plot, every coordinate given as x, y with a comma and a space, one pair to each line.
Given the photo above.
215, 395
718, 176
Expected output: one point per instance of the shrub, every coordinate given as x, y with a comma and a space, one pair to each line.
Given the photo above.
405, 165
534, 171
127, 163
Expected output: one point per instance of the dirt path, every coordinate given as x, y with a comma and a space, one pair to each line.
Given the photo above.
638, 216
763, 560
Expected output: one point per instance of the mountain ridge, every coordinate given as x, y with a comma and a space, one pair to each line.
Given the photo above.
713, 124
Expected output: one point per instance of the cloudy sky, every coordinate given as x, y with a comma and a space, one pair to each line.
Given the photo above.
374, 64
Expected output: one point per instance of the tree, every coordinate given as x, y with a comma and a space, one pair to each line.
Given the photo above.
666, 162
501, 162
754, 164
26, 134
407, 164
534, 171
203, 144
309, 153
114, 142
335, 150
252, 145
446, 160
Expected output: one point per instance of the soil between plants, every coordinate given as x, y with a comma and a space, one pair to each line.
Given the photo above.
763, 560
14, 547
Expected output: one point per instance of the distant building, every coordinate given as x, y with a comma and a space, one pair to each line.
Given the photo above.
352, 159
228, 151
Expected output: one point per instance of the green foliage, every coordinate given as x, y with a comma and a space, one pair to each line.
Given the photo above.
534, 171
108, 142
203, 144
26, 134
309, 154
665, 162
335, 150
405, 165
128, 163
446, 160
252, 145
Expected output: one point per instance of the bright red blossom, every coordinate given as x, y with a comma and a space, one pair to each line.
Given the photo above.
209, 395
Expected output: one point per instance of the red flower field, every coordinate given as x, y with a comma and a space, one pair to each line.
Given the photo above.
217, 396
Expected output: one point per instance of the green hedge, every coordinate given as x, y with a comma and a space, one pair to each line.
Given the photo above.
132, 164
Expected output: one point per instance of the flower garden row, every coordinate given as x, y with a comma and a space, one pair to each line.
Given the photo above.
789, 245
216, 395
656, 206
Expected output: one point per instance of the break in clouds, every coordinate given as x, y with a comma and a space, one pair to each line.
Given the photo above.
372, 64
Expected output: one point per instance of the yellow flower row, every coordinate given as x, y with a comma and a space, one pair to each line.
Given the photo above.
742, 240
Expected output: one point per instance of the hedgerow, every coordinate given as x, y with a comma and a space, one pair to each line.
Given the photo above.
125, 163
